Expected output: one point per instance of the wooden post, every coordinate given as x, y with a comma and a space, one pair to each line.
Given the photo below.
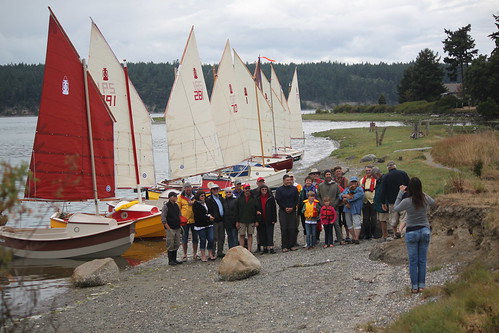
377, 136
427, 130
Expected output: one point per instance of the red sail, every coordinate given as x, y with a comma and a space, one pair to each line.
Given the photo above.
61, 162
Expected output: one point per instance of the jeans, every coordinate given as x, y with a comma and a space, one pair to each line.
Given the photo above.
185, 234
311, 234
232, 237
328, 237
417, 243
206, 235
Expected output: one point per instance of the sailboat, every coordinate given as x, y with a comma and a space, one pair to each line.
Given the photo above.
258, 126
291, 119
193, 146
133, 150
294, 104
72, 160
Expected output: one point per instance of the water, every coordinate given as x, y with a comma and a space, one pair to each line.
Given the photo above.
44, 280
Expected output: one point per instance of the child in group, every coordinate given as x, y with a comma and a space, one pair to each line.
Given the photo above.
328, 218
311, 210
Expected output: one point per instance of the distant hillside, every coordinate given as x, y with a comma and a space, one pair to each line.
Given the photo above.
324, 83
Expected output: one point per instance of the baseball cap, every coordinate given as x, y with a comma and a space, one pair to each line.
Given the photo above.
260, 179
354, 179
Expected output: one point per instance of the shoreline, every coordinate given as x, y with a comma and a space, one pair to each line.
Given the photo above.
329, 290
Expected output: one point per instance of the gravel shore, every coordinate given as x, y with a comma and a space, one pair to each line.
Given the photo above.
320, 290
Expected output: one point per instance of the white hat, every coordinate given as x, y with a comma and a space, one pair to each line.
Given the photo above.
212, 185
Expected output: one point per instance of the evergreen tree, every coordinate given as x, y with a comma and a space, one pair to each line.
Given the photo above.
382, 100
495, 35
460, 47
422, 80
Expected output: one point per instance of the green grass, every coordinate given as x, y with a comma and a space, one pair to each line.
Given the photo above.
358, 142
469, 304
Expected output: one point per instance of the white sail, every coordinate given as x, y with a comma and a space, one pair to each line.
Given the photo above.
229, 120
296, 128
132, 131
281, 112
193, 146
258, 120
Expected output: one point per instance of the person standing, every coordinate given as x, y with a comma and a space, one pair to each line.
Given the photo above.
328, 219
329, 188
417, 236
287, 199
185, 202
267, 215
238, 191
170, 216
311, 210
216, 208
353, 198
230, 218
260, 181
315, 174
368, 184
203, 224
391, 183
309, 186
338, 177
246, 218
381, 214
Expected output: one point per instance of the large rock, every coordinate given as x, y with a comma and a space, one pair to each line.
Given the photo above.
96, 273
238, 264
368, 158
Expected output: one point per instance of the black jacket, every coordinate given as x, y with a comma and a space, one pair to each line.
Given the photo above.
213, 208
201, 218
270, 210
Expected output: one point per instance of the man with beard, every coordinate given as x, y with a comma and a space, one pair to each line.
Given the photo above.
329, 188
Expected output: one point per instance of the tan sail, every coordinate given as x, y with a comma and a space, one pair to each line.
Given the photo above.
134, 160
229, 119
296, 128
193, 146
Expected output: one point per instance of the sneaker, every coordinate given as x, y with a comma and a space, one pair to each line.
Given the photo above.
398, 235
356, 241
272, 251
388, 239
348, 240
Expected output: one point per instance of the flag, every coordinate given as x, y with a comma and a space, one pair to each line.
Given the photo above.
272, 60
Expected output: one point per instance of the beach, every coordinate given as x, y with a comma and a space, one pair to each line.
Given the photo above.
335, 289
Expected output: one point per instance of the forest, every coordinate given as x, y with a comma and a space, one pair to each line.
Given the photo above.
324, 84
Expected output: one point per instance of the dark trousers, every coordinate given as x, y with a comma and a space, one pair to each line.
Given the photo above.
289, 228
266, 232
328, 234
369, 221
219, 231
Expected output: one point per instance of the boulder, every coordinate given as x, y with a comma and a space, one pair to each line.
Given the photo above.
368, 158
96, 273
238, 264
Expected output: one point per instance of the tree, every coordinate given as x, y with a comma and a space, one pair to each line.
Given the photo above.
422, 80
495, 35
382, 100
460, 47
482, 77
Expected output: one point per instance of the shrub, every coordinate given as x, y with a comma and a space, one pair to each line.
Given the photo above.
488, 109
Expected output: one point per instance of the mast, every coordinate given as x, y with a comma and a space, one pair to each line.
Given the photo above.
90, 137
132, 131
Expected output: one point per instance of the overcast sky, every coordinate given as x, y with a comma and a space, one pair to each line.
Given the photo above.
298, 31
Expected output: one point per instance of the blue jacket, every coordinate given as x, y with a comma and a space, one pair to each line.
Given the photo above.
356, 202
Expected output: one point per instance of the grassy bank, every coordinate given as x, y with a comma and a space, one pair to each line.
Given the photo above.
469, 304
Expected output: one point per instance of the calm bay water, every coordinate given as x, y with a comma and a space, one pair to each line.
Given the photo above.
50, 278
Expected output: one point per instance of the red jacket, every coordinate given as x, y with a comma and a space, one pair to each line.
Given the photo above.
328, 215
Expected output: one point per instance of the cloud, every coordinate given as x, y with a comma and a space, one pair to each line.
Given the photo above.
288, 30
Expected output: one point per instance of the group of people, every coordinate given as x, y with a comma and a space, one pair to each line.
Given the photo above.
367, 207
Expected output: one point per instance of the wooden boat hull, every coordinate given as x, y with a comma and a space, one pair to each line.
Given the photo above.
147, 220
85, 236
283, 164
